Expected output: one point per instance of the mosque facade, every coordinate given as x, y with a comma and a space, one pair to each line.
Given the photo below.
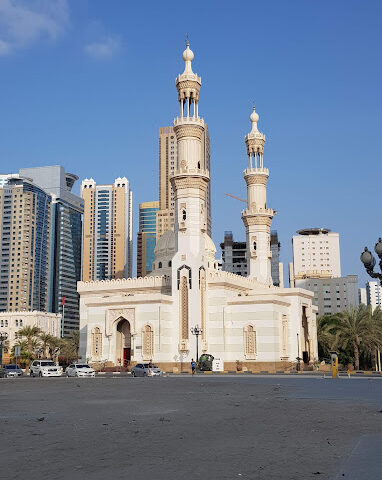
246, 322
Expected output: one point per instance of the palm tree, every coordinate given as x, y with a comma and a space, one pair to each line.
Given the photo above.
30, 334
373, 340
326, 335
45, 339
352, 327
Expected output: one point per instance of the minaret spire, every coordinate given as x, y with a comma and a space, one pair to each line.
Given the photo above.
257, 217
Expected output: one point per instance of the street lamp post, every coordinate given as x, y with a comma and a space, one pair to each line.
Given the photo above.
3, 337
298, 353
368, 260
196, 331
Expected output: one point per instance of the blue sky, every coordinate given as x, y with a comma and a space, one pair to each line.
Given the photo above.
88, 83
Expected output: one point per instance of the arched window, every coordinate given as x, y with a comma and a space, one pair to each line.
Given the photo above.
250, 342
147, 343
170, 263
199, 165
184, 215
21, 323
160, 265
17, 323
254, 246
96, 343
2, 323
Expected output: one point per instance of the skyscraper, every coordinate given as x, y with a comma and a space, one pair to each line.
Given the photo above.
146, 237
25, 225
168, 164
316, 254
374, 294
65, 243
107, 230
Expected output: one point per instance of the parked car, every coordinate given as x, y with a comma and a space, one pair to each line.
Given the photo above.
45, 368
10, 371
146, 370
79, 370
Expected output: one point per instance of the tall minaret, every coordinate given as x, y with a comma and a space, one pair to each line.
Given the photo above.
189, 182
191, 177
257, 217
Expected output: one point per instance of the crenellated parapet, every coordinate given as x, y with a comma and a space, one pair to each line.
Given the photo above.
232, 281
154, 282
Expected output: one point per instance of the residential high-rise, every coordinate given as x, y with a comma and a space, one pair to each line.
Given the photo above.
25, 226
65, 245
276, 266
374, 294
316, 254
146, 237
234, 255
362, 296
332, 295
169, 163
107, 230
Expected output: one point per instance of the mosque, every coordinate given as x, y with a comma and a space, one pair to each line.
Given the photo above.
246, 322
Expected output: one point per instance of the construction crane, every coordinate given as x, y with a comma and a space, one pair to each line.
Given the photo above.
236, 198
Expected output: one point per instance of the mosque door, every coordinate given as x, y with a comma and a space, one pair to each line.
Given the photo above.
306, 343
123, 343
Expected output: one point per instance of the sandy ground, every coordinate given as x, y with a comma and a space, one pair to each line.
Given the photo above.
258, 428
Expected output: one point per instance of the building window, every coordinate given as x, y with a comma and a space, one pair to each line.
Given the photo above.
147, 343
250, 342
96, 343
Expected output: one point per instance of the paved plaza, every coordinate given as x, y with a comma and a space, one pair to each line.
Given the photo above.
198, 427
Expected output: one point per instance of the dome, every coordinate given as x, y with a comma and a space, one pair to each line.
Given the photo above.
188, 54
210, 247
254, 117
165, 245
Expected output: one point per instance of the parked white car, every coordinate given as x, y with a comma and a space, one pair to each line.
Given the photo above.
80, 370
45, 368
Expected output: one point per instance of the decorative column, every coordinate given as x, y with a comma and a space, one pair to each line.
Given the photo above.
257, 218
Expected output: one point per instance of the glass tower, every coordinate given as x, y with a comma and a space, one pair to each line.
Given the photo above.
25, 224
65, 241
146, 237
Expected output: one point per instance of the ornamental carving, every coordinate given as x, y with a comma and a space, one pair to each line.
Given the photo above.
147, 342
124, 313
257, 221
183, 293
96, 344
256, 179
250, 342
188, 131
255, 145
199, 183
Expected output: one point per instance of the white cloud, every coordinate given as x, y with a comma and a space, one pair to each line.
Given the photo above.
104, 49
23, 22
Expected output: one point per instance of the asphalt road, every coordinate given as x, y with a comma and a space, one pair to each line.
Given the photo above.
200, 427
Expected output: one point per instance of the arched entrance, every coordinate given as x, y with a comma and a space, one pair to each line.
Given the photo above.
123, 342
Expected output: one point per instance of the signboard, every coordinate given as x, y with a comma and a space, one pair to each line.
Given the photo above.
17, 350
217, 365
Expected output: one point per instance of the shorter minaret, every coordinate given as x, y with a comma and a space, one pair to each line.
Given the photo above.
257, 217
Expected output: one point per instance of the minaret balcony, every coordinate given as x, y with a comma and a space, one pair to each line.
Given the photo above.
256, 171
188, 76
189, 121
258, 212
